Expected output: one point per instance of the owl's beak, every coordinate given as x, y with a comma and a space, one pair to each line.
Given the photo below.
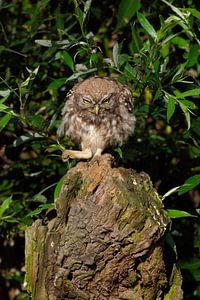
96, 109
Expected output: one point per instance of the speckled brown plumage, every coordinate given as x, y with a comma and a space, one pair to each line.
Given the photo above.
97, 114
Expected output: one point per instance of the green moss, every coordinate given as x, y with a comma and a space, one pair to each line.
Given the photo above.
68, 284
132, 277
175, 282
28, 279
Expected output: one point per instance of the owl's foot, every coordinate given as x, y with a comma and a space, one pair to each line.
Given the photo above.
98, 152
84, 154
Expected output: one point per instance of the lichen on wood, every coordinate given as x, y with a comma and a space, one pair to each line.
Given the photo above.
106, 241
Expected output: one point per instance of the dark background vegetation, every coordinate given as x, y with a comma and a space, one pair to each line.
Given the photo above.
47, 46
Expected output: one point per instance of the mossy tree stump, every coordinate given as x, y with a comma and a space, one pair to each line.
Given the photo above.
106, 241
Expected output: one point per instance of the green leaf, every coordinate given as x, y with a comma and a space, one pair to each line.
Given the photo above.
186, 113
175, 213
4, 121
179, 12
4, 206
68, 60
195, 128
119, 151
38, 122
131, 72
3, 107
194, 12
87, 8
59, 20
197, 168
26, 138
136, 41
193, 56
49, 43
58, 188
80, 16
170, 241
172, 191
40, 208
193, 263
56, 84
116, 54
189, 184
147, 26
4, 93
180, 42
30, 78
127, 9
193, 92
189, 104
170, 108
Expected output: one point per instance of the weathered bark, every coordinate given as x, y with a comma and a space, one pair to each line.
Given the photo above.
106, 241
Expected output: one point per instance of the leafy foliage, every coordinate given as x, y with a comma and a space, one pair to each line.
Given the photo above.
47, 46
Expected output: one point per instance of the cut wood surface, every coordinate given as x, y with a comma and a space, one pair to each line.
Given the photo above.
106, 241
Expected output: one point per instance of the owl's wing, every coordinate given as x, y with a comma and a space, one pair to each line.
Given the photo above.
60, 131
127, 96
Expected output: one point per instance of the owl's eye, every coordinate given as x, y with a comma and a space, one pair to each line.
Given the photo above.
87, 100
107, 98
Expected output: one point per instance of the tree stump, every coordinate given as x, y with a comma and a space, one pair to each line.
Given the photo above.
106, 241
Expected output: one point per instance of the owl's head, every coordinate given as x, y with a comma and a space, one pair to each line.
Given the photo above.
98, 95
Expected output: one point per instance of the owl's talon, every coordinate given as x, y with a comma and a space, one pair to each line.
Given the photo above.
74, 154
65, 156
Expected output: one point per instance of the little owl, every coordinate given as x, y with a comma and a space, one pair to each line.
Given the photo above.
97, 114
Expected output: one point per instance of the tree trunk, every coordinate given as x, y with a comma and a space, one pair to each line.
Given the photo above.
106, 241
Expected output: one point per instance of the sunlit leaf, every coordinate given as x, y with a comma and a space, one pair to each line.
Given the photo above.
4, 121
119, 151
30, 77
4, 93
194, 12
50, 43
86, 8
170, 192
189, 184
3, 107
58, 188
171, 104
40, 209
79, 74
175, 213
186, 113
189, 104
193, 92
180, 42
4, 206
26, 138
147, 26
180, 12
68, 60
